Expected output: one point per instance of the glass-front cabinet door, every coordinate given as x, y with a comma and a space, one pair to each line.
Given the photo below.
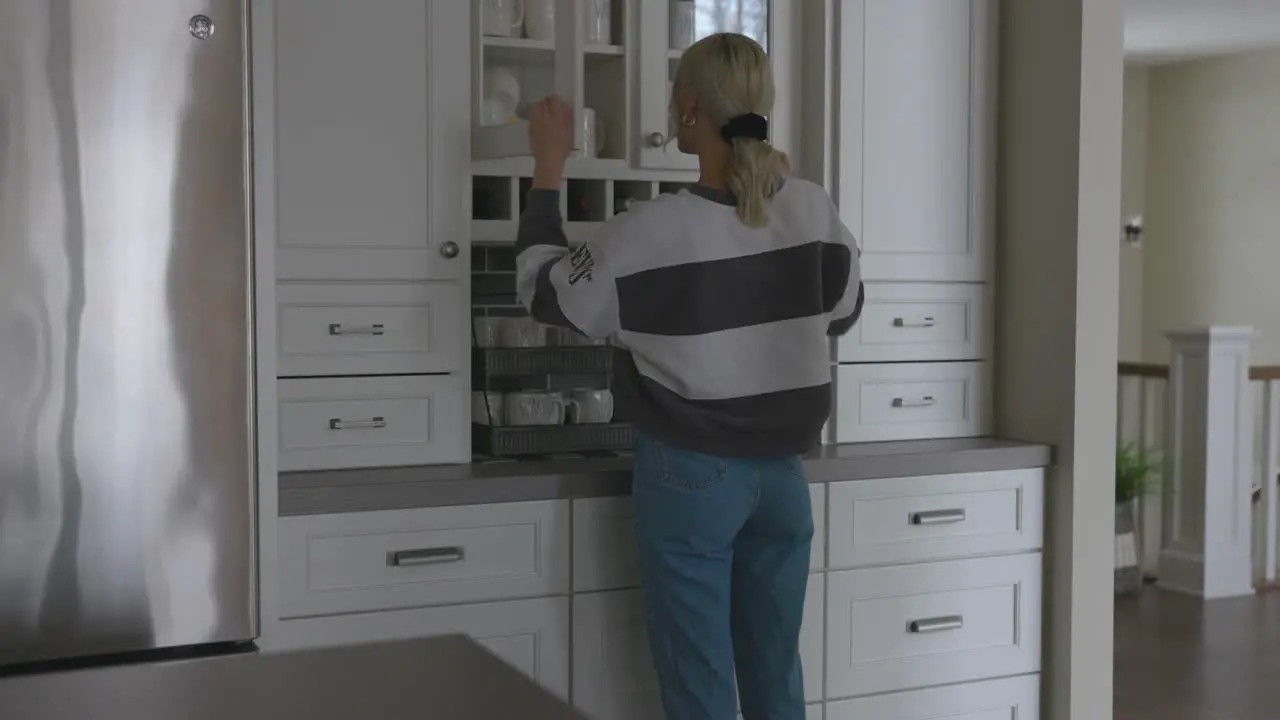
667, 27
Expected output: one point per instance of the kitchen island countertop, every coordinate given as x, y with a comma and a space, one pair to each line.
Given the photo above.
365, 490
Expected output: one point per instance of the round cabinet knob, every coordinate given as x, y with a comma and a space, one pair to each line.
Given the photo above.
656, 140
201, 27
450, 250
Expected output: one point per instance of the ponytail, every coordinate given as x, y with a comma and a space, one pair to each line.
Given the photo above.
753, 175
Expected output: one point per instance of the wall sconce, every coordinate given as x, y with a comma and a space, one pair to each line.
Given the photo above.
1133, 231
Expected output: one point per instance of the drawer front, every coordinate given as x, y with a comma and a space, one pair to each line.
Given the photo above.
877, 522
902, 627
604, 546
432, 556
532, 635
920, 321
372, 422
366, 329
1015, 698
911, 401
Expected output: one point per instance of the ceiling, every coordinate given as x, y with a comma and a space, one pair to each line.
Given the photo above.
1166, 30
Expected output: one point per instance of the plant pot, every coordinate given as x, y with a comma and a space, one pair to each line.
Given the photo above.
1128, 575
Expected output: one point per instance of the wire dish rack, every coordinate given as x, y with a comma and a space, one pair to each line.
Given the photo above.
492, 364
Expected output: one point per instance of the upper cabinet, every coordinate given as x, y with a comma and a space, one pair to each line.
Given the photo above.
359, 110
614, 61
912, 135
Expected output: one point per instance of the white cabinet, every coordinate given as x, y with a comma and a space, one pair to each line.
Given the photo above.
532, 635
913, 322
360, 121
914, 109
336, 329
359, 562
330, 423
911, 401
935, 517
909, 626
613, 676
1016, 698
623, 78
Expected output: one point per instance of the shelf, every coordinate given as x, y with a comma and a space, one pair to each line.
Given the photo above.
606, 50
518, 50
514, 362
550, 439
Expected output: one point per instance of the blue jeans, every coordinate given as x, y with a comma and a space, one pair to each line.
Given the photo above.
724, 556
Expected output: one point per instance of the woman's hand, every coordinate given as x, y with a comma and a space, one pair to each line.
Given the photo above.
551, 139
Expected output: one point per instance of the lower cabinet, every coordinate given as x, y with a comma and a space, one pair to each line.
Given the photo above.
908, 626
532, 635
1016, 698
613, 676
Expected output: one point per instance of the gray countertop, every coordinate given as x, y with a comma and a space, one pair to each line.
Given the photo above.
338, 491
449, 677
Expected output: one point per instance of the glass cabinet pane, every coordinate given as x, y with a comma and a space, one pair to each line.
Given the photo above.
692, 20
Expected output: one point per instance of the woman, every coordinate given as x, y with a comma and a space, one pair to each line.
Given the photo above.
719, 300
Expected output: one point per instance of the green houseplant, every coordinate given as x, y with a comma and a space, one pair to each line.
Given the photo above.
1136, 469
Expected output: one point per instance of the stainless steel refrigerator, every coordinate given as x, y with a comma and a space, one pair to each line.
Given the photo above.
126, 407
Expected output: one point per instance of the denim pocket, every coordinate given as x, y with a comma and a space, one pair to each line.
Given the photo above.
688, 471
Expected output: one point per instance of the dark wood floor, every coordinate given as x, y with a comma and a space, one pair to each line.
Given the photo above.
1178, 658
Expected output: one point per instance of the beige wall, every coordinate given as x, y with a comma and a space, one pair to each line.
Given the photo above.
1211, 253
1057, 319
1132, 202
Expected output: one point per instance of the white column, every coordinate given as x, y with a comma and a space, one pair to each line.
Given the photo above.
1208, 464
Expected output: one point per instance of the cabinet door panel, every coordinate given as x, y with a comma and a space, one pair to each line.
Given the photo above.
353, 123
921, 204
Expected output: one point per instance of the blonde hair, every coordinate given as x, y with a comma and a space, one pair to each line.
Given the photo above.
730, 76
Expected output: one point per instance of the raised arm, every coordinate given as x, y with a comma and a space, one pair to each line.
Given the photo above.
558, 286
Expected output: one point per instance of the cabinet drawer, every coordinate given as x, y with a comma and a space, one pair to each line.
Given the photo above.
372, 422
1006, 699
898, 520
920, 321
532, 635
911, 401
432, 556
604, 546
370, 329
902, 627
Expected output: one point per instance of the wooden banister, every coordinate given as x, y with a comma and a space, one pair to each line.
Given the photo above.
1161, 372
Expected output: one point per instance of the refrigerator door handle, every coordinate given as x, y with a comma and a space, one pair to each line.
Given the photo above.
425, 556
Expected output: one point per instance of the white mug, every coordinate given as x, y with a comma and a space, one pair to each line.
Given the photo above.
683, 24
501, 18
592, 134
487, 408
488, 331
522, 332
540, 19
534, 407
597, 20
591, 406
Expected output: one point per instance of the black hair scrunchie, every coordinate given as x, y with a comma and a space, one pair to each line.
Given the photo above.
752, 126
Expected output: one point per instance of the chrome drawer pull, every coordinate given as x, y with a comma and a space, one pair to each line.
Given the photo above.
370, 424
374, 329
942, 623
925, 401
926, 322
425, 556
937, 517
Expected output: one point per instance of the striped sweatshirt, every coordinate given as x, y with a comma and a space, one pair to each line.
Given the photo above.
720, 331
